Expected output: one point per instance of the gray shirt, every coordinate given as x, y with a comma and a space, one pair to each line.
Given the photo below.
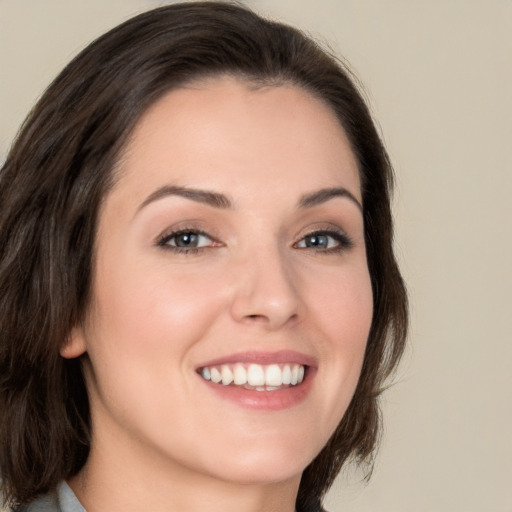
63, 499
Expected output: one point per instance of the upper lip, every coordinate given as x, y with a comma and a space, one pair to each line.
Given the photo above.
264, 358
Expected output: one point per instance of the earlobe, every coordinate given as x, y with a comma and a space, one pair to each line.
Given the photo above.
75, 344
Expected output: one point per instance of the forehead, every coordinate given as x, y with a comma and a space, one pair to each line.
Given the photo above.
226, 132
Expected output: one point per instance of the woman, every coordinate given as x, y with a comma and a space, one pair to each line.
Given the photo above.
200, 302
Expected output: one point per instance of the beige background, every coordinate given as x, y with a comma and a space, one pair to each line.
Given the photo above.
439, 78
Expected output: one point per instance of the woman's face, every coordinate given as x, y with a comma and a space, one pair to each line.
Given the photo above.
231, 247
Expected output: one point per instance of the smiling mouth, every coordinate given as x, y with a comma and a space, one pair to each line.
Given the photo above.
255, 377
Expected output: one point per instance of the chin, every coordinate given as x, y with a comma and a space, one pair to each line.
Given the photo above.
265, 465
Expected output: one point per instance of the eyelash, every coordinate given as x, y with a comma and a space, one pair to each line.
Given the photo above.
164, 240
344, 242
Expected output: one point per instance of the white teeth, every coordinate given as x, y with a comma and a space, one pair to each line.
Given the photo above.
273, 375
255, 375
215, 375
240, 375
295, 375
227, 375
287, 374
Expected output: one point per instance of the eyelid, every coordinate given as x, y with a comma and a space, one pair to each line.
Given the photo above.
344, 241
163, 239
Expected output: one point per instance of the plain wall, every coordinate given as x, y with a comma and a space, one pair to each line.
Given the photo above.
438, 75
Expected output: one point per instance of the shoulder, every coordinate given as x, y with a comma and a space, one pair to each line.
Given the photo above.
46, 503
63, 499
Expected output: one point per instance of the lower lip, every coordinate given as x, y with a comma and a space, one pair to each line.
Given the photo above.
265, 400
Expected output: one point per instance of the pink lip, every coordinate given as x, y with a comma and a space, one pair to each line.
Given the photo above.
281, 356
265, 400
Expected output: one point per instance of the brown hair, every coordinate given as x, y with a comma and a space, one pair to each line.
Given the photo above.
51, 187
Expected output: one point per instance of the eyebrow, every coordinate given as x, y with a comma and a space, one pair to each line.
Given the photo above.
200, 196
324, 195
217, 200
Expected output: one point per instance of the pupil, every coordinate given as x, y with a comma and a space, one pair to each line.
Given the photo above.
187, 240
316, 241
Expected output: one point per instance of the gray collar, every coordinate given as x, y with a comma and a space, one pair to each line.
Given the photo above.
63, 499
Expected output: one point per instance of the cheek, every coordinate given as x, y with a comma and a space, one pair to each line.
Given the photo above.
144, 326
354, 311
147, 309
343, 314
344, 306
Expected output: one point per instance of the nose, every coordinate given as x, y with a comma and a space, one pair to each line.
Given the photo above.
266, 291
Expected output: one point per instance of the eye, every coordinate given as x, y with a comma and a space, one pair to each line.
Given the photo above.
327, 241
186, 240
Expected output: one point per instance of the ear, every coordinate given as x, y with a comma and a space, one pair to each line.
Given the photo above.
75, 345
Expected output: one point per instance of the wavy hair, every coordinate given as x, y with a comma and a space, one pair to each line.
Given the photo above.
61, 167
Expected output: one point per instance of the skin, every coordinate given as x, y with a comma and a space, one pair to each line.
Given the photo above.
162, 440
